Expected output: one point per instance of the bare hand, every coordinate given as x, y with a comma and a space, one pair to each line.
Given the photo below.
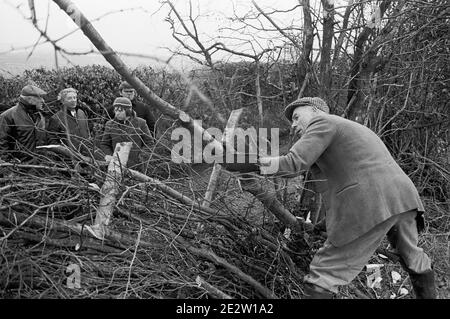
266, 165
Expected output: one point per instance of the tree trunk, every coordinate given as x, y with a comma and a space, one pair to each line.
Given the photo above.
325, 55
304, 62
308, 35
357, 69
258, 95
340, 41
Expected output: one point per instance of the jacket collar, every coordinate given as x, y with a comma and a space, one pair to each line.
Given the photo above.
33, 116
69, 113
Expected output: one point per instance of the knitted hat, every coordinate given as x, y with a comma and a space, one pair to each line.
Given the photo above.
124, 86
306, 101
123, 102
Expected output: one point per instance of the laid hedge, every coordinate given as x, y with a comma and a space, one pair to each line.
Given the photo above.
98, 87
232, 86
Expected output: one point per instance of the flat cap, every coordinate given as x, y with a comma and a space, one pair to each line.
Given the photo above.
122, 101
125, 85
305, 101
32, 90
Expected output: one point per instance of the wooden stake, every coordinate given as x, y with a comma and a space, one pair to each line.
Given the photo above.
110, 188
229, 129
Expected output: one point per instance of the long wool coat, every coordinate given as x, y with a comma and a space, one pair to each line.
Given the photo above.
77, 128
363, 184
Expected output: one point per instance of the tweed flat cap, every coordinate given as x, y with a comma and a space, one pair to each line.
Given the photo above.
32, 90
125, 85
122, 101
306, 101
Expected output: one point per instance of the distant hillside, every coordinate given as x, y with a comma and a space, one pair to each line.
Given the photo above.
15, 63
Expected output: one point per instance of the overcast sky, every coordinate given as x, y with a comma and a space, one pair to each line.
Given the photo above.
135, 30
140, 28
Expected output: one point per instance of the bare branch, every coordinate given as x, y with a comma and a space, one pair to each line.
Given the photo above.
193, 36
293, 40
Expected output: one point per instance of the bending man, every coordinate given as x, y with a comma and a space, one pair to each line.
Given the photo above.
367, 196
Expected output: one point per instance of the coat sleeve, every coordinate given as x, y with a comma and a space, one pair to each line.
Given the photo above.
319, 179
146, 137
5, 134
55, 131
106, 140
150, 120
305, 152
84, 123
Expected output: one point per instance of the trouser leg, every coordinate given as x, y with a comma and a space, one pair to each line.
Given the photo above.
311, 291
405, 241
334, 266
414, 259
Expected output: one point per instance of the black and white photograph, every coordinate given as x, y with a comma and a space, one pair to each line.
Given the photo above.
227, 156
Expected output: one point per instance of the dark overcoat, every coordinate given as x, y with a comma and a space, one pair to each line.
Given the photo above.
20, 131
63, 125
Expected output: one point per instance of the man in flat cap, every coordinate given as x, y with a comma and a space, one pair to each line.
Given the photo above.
69, 126
367, 196
126, 127
142, 110
22, 127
